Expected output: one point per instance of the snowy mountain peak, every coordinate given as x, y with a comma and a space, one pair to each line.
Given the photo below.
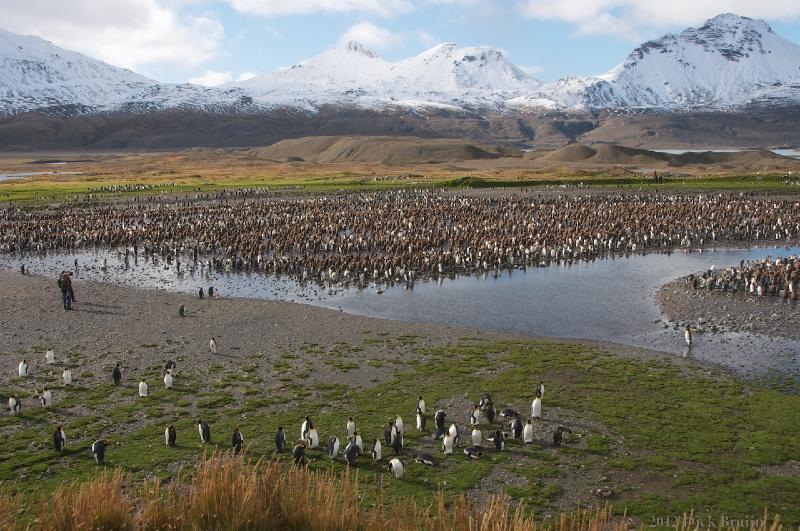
358, 48
728, 61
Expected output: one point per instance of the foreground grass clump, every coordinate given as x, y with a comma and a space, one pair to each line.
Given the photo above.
229, 493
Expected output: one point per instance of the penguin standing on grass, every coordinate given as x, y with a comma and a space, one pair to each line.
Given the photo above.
299, 454
477, 436
14, 404
351, 453
516, 427
50, 357
438, 420
22, 370
376, 450
204, 431
559, 434
170, 436
59, 439
47, 397
312, 438
99, 451
421, 405
454, 434
142, 388
351, 427
358, 441
67, 376
116, 375
304, 427
447, 444
499, 440
280, 440
420, 420
237, 441
527, 432
398, 422
168, 379
536, 408
396, 468
333, 447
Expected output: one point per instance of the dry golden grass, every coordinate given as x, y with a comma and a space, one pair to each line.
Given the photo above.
227, 493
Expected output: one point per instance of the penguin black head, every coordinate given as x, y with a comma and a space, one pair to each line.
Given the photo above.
280, 428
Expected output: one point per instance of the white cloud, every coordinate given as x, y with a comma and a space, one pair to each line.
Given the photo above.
531, 70
127, 33
272, 8
212, 78
630, 18
244, 76
425, 38
371, 36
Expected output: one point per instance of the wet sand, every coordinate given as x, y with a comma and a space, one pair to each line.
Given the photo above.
727, 311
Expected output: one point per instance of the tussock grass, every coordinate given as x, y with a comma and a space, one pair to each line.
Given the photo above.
231, 493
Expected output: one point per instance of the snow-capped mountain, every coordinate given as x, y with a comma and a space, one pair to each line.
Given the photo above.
38, 75
728, 62
446, 75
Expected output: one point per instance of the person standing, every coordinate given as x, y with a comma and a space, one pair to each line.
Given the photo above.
65, 297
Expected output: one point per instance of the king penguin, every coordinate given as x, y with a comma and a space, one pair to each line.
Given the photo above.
396, 468
170, 435
527, 432
333, 447
67, 376
142, 388
280, 440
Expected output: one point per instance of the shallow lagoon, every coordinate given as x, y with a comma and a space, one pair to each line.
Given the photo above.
609, 299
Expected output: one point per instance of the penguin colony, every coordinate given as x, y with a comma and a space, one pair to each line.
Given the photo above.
352, 447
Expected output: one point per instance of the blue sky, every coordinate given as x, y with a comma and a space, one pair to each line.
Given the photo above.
213, 41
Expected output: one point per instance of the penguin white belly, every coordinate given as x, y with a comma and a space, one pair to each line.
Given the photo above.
537, 408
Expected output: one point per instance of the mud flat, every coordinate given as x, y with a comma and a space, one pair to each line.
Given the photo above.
718, 311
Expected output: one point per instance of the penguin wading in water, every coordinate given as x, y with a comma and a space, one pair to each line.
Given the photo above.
170, 436
99, 451
280, 440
